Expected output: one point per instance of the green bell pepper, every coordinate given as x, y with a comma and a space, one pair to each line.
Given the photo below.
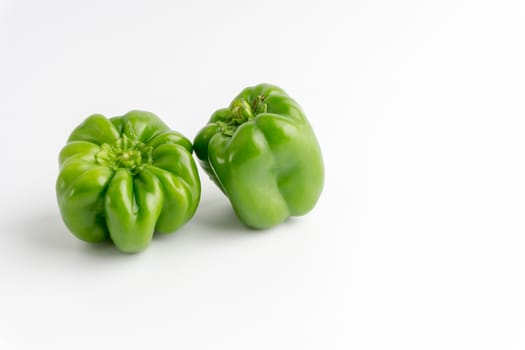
124, 178
262, 153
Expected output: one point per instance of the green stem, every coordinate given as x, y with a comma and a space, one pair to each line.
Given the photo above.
126, 153
258, 105
241, 111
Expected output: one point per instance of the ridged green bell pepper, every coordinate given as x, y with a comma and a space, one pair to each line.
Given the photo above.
124, 178
262, 153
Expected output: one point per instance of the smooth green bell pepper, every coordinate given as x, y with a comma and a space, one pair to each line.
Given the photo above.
262, 153
124, 178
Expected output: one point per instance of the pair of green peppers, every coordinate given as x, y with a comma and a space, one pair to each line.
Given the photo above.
126, 177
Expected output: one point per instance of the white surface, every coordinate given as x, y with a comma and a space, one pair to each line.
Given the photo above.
417, 242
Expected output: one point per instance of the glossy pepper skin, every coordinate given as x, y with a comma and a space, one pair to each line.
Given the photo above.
262, 153
124, 178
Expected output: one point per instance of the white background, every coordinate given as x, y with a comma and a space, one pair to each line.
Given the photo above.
417, 242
